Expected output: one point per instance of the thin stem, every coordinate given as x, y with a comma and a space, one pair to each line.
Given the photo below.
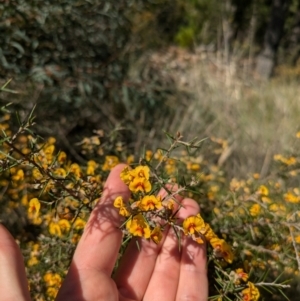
272, 284
295, 247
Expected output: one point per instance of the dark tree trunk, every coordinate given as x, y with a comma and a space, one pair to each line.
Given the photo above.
294, 39
266, 59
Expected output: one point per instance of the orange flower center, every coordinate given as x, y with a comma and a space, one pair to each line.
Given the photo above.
192, 226
141, 174
140, 185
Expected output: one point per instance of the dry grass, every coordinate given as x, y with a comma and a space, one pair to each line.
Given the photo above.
257, 118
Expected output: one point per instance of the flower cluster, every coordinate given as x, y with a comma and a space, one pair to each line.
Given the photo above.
148, 214
144, 211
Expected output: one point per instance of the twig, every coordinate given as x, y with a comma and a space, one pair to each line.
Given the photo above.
272, 284
295, 247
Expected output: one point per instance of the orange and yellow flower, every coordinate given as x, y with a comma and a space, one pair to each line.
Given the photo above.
150, 202
241, 275
75, 170
140, 185
126, 175
119, 203
193, 224
91, 166
255, 210
18, 176
110, 162
54, 229
263, 190
251, 293
64, 225
34, 207
79, 223
222, 249
138, 226
208, 232
141, 172
52, 279
60, 172
156, 235
291, 198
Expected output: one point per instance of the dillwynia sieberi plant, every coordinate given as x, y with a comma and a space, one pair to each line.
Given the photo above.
56, 196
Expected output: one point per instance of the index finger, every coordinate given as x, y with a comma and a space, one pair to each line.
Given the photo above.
99, 245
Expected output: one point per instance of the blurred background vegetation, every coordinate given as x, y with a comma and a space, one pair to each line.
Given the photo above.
134, 68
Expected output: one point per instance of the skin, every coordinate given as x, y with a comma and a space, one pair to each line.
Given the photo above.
155, 272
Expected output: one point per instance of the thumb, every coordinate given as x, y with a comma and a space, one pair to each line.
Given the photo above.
13, 282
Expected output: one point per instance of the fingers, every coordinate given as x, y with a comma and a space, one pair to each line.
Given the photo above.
99, 245
13, 282
98, 248
172, 278
137, 264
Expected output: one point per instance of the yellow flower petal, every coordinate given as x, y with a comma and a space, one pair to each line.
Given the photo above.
119, 202
34, 207
137, 226
140, 184
222, 249
150, 202
156, 235
193, 224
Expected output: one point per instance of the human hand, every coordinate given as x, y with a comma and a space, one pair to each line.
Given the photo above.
153, 272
